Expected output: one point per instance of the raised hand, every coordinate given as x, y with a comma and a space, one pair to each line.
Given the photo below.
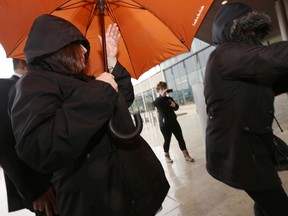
112, 40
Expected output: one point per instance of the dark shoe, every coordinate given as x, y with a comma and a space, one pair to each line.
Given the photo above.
167, 158
189, 159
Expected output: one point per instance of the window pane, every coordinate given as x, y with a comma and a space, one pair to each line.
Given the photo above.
169, 74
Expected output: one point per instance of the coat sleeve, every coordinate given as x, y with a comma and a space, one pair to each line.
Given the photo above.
176, 105
157, 102
53, 125
162, 103
28, 183
258, 64
123, 79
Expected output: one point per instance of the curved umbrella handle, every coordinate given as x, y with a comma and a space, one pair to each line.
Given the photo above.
130, 136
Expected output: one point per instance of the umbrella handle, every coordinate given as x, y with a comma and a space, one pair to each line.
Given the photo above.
130, 136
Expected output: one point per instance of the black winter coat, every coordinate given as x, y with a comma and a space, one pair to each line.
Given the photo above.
60, 122
23, 184
241, 81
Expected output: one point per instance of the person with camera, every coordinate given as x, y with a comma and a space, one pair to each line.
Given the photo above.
166, 107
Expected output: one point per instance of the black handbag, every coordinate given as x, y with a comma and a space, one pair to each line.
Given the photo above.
280, 151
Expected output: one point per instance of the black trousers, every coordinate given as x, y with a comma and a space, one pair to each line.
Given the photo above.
272, 202
167, 131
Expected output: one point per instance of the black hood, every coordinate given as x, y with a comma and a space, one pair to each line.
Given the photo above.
49, 34
236, 22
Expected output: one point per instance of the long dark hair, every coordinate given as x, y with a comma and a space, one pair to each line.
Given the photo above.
70, 57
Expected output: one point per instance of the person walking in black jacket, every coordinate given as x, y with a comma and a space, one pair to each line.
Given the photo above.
168, 122
25, 187
241, 80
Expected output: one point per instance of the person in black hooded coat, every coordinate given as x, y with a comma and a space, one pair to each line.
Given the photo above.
60, 119
25, 187
241, 80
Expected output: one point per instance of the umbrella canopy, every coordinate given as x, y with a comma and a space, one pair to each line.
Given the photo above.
152, 31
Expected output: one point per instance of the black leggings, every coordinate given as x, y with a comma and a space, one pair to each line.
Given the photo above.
167, 133
272, 202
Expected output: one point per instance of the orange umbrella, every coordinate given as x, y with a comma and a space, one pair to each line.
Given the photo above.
152, 30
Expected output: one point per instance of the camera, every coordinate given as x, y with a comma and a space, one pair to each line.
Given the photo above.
169, 90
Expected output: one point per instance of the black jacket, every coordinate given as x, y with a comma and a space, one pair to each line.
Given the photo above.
166, 113
242, 77
23, 185
61, 126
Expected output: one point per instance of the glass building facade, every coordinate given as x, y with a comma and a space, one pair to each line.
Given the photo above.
181, 76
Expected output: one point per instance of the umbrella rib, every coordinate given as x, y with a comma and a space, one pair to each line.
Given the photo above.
110, 12
111, 2
180, 39
74, 5
113, 17
26, 36
93, 12
127, 3
70, 6
137, 5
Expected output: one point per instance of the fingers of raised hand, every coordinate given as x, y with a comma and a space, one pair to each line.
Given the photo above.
113, 32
